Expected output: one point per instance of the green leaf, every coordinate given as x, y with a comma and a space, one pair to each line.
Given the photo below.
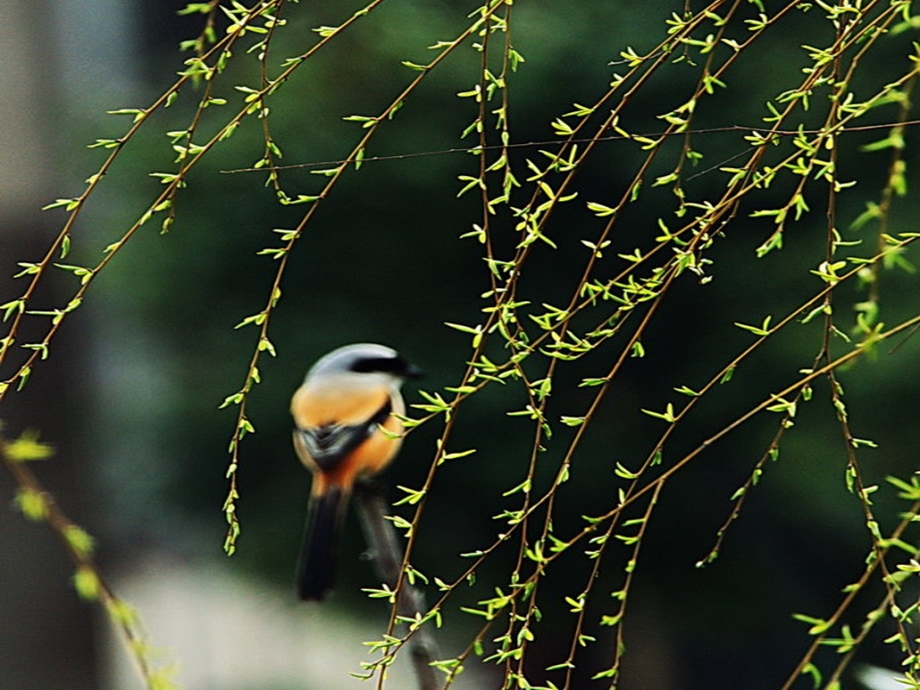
27, 448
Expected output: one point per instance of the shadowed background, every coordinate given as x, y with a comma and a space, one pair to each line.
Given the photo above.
154, 352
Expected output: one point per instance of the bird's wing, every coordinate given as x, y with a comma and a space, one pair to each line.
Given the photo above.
329, 444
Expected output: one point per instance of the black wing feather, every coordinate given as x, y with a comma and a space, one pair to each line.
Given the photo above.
329, 444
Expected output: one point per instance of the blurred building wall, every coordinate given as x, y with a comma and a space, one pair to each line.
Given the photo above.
46, 636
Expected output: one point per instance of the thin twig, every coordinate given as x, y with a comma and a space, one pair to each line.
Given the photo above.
89, 582
387, 557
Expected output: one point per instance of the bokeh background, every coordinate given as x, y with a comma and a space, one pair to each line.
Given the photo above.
130, 396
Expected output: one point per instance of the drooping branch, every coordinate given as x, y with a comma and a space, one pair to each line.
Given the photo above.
387, 558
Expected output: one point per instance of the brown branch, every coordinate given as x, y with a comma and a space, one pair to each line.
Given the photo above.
387, 558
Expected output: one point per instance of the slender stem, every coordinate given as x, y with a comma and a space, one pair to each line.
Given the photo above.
387, 558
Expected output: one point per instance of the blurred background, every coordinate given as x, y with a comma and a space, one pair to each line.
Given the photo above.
130, 395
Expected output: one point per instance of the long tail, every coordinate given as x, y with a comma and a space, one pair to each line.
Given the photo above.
316, 569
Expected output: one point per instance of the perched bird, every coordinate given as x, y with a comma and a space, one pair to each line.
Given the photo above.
345, 429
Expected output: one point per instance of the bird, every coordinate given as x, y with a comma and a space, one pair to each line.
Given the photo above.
346, 429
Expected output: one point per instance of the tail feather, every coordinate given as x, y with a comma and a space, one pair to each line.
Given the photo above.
316, 569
